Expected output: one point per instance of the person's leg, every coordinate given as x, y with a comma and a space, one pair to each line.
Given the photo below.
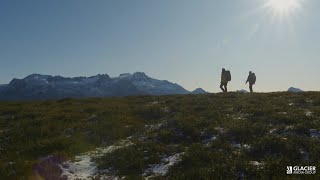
250, 86
221, 87
225, 87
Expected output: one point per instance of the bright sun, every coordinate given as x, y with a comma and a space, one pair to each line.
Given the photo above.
283, 7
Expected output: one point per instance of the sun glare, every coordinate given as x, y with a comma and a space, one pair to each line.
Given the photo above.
283, 7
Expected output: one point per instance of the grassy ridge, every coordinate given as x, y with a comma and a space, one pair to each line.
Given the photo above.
221, 135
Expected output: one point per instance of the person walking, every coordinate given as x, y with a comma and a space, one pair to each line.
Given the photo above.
252, 80
225, 78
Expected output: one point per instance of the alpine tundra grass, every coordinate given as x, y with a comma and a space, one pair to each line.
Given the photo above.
223, 136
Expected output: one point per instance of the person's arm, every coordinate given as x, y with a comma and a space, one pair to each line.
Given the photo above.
247, 80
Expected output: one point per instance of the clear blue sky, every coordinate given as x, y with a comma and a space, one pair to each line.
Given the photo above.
183, 41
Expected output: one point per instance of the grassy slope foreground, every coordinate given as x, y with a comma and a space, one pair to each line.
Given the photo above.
208, 136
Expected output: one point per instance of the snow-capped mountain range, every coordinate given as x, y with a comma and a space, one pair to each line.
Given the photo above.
37, 86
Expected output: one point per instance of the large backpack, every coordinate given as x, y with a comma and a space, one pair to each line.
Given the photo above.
253, 78
228, 75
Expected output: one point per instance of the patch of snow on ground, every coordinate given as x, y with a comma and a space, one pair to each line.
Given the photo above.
310, 101
208, 141
92, 117
240, 116
272, 130
154, 127
153, 103
314, 133
166, 109
219, 129
308, 113
258, 164
236, 144
290, 104
239, 145
162, 168
83, 167
288, 128
246, 146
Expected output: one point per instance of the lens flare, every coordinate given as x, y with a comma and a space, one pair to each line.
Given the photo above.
283, 7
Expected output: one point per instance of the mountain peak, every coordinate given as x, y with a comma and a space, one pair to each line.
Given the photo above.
198, 91
104, 76
37, 76
295, 90
139, 76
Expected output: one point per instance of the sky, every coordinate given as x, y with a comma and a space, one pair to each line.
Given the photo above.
184, 41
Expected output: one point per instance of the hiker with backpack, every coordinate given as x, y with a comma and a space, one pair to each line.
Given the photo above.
225, 78
251, 79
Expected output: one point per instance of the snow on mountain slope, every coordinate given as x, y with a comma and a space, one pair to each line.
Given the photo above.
154, 86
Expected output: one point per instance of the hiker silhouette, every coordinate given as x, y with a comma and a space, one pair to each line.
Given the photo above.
225, 78
252, 80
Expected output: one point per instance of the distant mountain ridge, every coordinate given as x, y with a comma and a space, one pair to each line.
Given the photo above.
199, 91
242, 91
38, 86
294, 90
